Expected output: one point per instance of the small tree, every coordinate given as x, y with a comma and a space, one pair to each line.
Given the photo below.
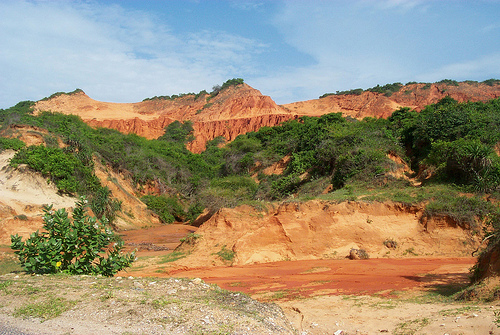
76, 246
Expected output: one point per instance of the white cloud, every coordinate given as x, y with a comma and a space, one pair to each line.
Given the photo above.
482, 68
111, 53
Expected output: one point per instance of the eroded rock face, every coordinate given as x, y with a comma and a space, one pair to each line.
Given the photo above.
321, 230
414, 96
240, 109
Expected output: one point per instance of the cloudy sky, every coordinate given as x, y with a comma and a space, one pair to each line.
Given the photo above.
125, 51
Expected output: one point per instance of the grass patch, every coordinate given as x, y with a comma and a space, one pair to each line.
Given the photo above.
8, 265
172, 257
459, 311
411, 327
4, 284
286, 295
45, 309
159, 303
226, 254
410, 252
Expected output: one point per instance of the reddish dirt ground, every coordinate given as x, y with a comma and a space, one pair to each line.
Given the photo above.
334, 277
305, 278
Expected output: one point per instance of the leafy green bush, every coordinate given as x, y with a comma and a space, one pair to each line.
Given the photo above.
54, 163
11, 143
387, 89
466, 211
62, 93
178, 132
76, 246
491, 82
233, 82
449, 82
167, 208
226, 255
71, 172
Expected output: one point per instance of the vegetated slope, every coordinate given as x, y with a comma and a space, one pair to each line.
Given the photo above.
451, 145
24, 192
238, 108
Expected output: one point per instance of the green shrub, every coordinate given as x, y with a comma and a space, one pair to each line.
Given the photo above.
72, 171
190, 238
75, 246
62, 93
167, 208
226, 254
11, 143
178, 132
466, 211
448, 82
54, 163
387, 89
491, 82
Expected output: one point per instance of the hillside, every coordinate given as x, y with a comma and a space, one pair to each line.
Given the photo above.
277, 212
381, 105
235, 110
240, 109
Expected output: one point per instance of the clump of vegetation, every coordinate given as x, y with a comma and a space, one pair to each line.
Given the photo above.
72, 171
390, 243
11, 143
491, 82
168, 209
191, 238
62, 93
358, 254
226, 255
75, 246
387, 89
448, 82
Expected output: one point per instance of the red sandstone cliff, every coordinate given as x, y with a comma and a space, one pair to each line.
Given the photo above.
415, 96
240, 109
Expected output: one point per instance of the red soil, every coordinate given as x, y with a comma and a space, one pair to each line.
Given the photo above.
333, 277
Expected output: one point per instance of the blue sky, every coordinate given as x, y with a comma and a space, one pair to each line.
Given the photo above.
125, 51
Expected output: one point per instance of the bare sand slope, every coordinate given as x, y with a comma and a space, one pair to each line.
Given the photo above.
23, 194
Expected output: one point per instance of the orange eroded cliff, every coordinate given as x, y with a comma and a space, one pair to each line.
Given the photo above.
415, 96
239, 109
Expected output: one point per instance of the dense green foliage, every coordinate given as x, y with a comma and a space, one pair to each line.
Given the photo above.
11, 143
81, 245
167, 208
62, 93
389, 89
215, 90
456, 139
